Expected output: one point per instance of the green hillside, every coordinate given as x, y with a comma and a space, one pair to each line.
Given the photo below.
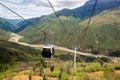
83, 12
34, 34
105, 30
4, 35
11, 54
5, 25
17, 60
14, 52
102, 34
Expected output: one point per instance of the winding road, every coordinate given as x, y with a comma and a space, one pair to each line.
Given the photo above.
15, 38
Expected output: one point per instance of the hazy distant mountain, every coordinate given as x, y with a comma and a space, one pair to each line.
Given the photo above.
85, 11
80, 12
101, 1
14, 21
22, 25
5, 25
104, 25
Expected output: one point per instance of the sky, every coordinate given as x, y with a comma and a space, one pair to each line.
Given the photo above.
35, 8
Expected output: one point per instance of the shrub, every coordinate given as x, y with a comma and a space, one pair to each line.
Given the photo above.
93, 68
65, 77
1, 76
52, 68
108, 73
73, 72
81, 76
115, 53
55, 73
104, 59
95, 52
117, 67
1, 68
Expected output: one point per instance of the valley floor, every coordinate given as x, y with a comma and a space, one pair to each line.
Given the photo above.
59, 68
15, 38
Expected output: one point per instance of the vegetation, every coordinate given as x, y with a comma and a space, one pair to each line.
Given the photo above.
16, 59
84, 11
117, 67
4, 35
80, 73
5, 25
101, 37
11, 53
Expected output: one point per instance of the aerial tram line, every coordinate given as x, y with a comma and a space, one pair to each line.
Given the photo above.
92, 13
47, 50
15, 13
50, 4
51, 47
26, 20
84, 31
12, 11
56, 16
87, 26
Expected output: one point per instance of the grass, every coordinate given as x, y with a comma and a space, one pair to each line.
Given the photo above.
27, 58
65, 71
9, 50
4, 35
101, 36
117, 67
85, 72
11, 53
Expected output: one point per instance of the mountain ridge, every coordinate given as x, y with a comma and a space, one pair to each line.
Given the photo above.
84, 11
7, 26
102, 33
106, 24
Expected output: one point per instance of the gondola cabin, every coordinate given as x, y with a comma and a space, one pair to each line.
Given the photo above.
47, 51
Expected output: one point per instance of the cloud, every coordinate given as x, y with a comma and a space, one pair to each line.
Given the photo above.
1, 7
42, 3
36, 8
14, 1
70, 4
27, 11
7, 14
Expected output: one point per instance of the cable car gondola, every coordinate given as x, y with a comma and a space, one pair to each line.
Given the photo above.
47, 51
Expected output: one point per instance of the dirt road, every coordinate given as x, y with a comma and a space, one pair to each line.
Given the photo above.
15, 38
